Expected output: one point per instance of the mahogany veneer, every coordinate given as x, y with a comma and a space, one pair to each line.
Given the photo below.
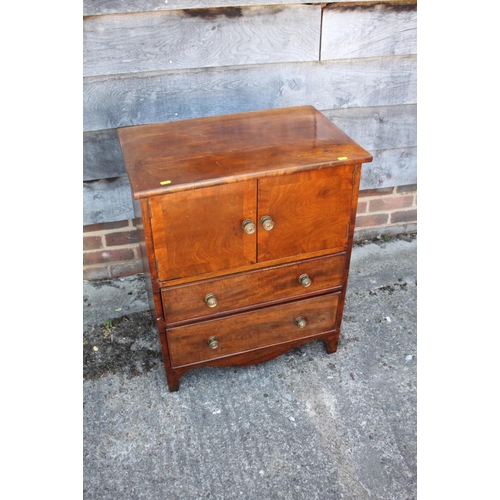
246, 225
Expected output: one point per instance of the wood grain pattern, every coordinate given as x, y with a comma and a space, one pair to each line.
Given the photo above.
181, 39
124, 100
377, 128
251, 289
368, 31
310, 210
197, 232
225, 135
250, 267
251, 330
232, 148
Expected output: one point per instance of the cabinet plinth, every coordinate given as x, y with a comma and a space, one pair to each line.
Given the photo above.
246, 225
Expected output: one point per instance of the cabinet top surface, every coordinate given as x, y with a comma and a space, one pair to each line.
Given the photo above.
167, 157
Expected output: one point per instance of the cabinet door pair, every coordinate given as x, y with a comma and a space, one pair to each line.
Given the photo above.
202, 230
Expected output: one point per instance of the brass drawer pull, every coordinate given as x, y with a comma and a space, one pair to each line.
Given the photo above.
304, 280
213, 343
248, 226
211, 300
267, 223
300, 322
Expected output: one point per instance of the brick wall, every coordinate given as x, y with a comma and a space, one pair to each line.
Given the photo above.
111, 250
386, 211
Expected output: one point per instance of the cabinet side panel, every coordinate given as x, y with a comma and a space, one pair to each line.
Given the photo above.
141, 222
141, 210
354, 204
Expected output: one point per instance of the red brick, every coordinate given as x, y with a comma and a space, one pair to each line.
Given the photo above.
126, 269
404, 216
95, 273
121, 238
376, 192
105, 226
92, 243
391, 203
92, 258
371, 220
362, 206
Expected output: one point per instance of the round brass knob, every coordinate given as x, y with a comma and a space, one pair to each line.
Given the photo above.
213, 343
300, 322
211, 300
304, 280
267, 223
248, 226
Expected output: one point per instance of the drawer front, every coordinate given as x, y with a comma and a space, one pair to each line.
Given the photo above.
242, 332
243, 290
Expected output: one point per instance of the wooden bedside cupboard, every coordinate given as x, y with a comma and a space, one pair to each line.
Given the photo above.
246, 224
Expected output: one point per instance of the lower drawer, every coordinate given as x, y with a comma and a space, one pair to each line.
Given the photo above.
187, 302
242, 332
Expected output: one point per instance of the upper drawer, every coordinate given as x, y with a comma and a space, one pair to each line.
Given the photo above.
187, 302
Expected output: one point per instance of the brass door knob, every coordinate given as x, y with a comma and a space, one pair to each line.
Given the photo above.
304, 280
211, 300
248, 226
267, 223
213, 343
300, 322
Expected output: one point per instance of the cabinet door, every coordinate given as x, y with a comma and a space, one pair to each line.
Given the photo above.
310, 211
200, 231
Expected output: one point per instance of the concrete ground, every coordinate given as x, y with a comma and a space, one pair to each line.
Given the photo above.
306, 425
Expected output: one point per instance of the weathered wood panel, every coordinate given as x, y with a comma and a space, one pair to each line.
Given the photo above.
111, 200
381, 127
122, 100
351, 31
96, 7
107, 201
129, 43
102, 156
220, 71
390, 167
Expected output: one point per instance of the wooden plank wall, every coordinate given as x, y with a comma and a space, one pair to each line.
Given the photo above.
147, 61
